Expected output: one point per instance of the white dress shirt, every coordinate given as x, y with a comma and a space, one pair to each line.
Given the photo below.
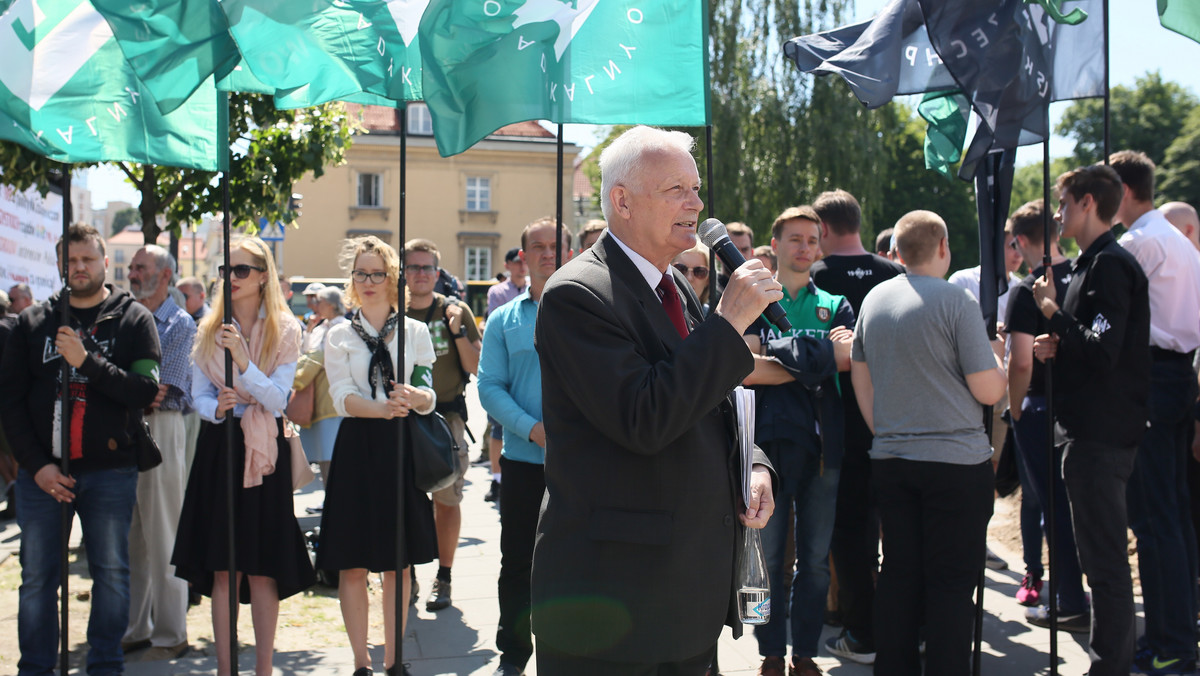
1172, 265
347, 359
968, 279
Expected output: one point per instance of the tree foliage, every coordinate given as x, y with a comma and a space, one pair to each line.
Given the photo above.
1147, 117
1180, 169
125, 218
271, 150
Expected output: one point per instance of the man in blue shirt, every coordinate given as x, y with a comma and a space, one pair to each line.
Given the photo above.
510, 388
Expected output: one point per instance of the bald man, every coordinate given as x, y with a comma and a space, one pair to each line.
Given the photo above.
1183, 216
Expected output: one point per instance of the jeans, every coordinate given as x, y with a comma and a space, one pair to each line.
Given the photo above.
1096, 476
521, 494
104, 501
1031, 440
1160, 512
935, 518
812, 491
1031, 523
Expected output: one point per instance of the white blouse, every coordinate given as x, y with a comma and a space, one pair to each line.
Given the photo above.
347, 359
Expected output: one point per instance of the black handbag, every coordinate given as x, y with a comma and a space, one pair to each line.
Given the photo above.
144, 446
434, 451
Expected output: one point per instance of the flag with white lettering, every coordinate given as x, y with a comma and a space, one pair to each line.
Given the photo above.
489, 63
68, 92
173, 45
1181, 16
317, 51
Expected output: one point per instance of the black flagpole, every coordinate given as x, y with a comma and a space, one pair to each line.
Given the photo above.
230, 475
712, 211
67, 512
558, 201
1049, 387
401, 602
1107, 146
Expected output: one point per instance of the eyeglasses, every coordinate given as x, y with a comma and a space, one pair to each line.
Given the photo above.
699, 272
375, 277
240, 271
1013, 244
413, 269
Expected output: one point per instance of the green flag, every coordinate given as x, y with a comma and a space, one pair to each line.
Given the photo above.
1181, 16
946, 112
494, 62
314, 51
68, 92
173, 45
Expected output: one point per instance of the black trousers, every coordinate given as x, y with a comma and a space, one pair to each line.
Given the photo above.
935, 518
553, 663
1096, 476
521, 493
855, 545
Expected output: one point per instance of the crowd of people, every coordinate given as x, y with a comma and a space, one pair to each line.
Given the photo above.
622, 502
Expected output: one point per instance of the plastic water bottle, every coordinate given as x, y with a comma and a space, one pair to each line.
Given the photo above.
754, 591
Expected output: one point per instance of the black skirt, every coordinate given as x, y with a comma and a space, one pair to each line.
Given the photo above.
358, 524
266, 534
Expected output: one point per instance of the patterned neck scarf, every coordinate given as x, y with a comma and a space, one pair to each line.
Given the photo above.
379, 371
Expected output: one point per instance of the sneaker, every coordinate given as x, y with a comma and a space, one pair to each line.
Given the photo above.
439, 596
1157, 665
849, 648
771, 666
493, 494
804, 666
1030, 593
994, 562
1078, 623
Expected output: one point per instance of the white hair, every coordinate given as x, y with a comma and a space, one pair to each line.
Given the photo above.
333, 296
163, 260
621, 162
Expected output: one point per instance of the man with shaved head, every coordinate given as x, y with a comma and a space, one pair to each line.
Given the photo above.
1183, 216
920, 346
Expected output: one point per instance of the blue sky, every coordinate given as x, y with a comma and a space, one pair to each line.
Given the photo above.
1138, 44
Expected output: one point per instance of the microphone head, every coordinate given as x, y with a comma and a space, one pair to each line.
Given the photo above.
710, 232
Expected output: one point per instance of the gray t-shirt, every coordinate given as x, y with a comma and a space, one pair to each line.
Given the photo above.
920, 336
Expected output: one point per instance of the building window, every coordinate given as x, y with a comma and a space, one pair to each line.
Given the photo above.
479, 263
118, 255
368, 190
479, 193
119, 274
419, 121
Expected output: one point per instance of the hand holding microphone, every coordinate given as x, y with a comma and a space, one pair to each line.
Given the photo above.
752, 289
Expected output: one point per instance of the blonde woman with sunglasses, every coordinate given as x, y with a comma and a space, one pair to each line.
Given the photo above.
271, 560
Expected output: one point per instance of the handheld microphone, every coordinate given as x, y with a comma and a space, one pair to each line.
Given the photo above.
714, 236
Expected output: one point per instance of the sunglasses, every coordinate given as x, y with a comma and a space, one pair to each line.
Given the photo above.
427, 269
1013, 244
699, 272
375, 277
240, 271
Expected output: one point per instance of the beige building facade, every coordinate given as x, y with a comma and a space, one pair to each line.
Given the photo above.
473, 205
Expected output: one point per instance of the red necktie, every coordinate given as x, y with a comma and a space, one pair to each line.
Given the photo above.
671, 303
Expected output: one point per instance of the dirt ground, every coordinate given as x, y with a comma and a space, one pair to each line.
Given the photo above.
311, 620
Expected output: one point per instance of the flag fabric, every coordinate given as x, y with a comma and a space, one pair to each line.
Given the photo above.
1008, 58
947, 113
993, 192
173, 45
886, 56
1181, 16
68, 92
492, 63
309, 52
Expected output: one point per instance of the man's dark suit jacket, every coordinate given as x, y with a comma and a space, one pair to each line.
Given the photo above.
635, 552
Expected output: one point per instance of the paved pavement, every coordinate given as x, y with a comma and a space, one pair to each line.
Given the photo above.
461, 640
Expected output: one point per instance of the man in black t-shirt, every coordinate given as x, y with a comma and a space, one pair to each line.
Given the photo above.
851, 271
1027, 402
